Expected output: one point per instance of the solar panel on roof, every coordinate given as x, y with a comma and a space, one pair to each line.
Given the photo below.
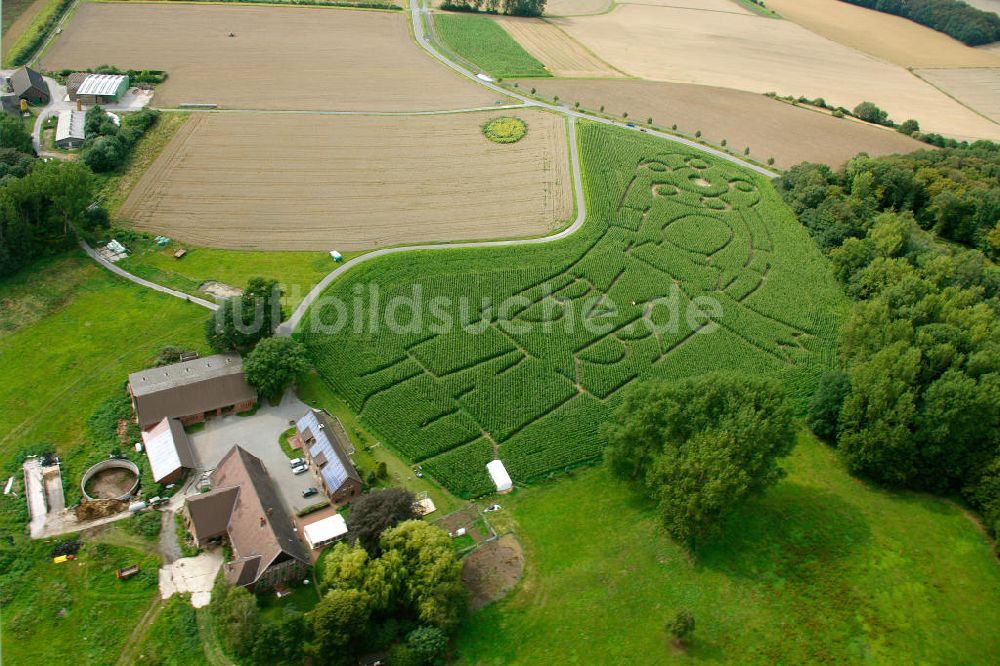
334, 473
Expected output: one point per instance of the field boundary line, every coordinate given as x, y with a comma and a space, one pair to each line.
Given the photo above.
390, 114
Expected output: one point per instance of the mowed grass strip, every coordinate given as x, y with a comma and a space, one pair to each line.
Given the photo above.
823, 569
483, 42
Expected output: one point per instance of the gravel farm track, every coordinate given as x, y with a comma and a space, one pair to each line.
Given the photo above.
258, 181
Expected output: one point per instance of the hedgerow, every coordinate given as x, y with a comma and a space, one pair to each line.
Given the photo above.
540, 340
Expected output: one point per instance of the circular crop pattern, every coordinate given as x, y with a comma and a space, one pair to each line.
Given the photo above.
505, 129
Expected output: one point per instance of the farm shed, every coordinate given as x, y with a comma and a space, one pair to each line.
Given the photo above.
327, 448
70, 130
325, 531
501, 479
169, 450
244, 507
191, 390
29, 85
73, 82
102, 89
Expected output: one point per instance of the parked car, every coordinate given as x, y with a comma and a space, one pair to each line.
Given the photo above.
492, 507
301, 469
297, 462
309, 492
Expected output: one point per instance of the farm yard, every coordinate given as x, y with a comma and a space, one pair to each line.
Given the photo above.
279, 58
525, 371
884, 36
769, 128
712, 48
293, 182
975, 87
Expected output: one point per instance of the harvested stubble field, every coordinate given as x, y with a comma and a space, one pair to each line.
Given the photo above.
280, 58
748, 52
298, 182
974, 87
561, 55
542, 339
885, 36
770, 128
576, 7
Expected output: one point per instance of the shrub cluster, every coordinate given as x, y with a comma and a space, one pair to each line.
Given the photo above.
871, 113
505, 129
108, 145
508, 7
140, 76
956, 19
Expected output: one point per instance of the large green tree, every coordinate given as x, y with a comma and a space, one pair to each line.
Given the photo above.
432, 583
375, 512
701, 447
241, 322
273, 365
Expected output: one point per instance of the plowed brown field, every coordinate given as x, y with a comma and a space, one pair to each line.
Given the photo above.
296, 182
280, 57
770, 128
748, 52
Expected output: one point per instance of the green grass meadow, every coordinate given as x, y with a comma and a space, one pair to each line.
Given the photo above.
822, 569
481, 41
297, 272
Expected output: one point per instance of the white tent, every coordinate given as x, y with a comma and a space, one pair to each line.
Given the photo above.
500, 476
324, 531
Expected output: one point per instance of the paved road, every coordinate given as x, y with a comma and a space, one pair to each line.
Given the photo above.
419, 13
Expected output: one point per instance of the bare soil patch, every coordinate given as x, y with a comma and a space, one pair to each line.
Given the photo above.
885, 36
770, 128
491, 571
219, 289
757, 54
294, 182
110, 483
561, 54
280, 57
974, 87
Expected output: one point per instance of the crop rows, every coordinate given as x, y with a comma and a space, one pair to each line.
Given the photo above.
615, 303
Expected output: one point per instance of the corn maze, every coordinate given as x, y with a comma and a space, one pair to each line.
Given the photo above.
686, 265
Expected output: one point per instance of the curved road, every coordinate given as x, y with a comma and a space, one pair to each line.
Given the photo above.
419, 13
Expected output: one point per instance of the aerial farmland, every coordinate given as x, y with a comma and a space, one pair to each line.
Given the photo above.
468, 332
